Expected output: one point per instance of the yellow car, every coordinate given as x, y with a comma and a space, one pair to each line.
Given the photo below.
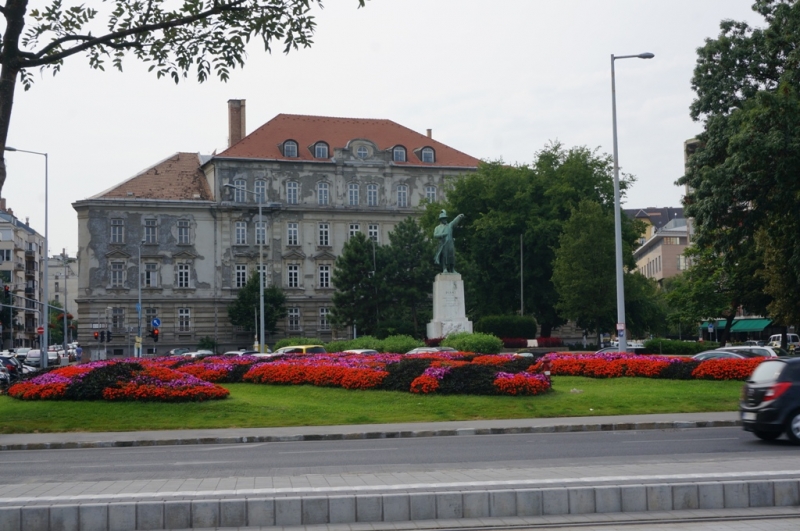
302, 349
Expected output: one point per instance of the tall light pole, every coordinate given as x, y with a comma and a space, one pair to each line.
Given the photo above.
621, 332
138, 347
259, 197
46, 305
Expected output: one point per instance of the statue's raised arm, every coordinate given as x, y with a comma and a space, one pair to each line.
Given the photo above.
446, 249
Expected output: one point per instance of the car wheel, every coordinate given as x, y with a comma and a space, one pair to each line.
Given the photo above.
767, 435
793, 427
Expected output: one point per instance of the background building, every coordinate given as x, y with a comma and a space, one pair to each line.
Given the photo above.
319, 180
21, 269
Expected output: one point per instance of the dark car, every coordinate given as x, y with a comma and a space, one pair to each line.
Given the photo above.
13, 365
725, 354
770, 401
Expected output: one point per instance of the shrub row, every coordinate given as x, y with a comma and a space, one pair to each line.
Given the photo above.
478, 343
673, 346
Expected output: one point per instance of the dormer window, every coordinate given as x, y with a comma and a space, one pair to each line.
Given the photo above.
362, 152
428, 155
399, 154
290, 148
321, 150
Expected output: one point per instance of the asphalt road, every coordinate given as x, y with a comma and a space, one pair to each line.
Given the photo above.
388, 455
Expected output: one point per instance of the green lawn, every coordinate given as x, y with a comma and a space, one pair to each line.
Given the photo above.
254, 406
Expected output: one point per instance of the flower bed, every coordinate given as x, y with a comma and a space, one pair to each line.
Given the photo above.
131, 379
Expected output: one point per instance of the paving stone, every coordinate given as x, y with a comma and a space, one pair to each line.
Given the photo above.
710, 495
205, 513
555, 501
10, 519
35, 518
786, 493
288, 511
634, 498
476, 504
121, 517
761, 494
260, 512
449, 505
685, 497
64, 518
341, 509
659, 498
736, 494
150, 515
502, 503
177, 514
315, 510
232, 513
529, 502
369, 508
396, 508
422, 505
581, 500
607, 500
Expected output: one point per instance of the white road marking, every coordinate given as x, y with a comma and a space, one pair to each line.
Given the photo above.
339, 451
681, 440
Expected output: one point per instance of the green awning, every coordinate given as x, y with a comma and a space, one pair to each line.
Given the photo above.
750, 325
719, 324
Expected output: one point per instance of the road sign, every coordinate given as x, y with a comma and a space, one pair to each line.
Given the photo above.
40, 330
138, 309
710, 327
156, 322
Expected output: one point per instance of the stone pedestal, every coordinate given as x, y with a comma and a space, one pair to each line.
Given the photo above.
449, 315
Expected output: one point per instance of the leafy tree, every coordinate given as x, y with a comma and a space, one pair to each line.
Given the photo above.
208, 37
645, 308
244, 310
360, 292
743, 177
409, 275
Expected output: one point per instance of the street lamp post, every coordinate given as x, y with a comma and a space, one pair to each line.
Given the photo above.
259, 197
138, 347
46, 305
621, 332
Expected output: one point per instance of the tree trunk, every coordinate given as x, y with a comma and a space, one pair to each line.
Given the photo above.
9, 70
546, 330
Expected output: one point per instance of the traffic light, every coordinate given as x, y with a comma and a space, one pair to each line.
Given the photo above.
108, 336
102, 336
97, 335
155, 335
7, 289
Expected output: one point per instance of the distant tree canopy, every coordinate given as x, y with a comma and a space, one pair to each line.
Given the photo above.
743, 178
243, 311
207, 37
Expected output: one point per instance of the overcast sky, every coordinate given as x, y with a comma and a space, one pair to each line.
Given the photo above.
497, 80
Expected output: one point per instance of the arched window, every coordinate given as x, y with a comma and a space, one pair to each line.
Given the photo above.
399, 154
428, 155
362, 152
321, 150
290, 148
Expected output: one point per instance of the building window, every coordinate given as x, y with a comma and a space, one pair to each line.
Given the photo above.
56, 290
292, 234
324, 235
290, 148
430, 194
324, 321
355, 228
427, 155
672, 240
239, 191
182, 275
352, 194
261, 191
322, 193
117, 231
117, 318
321, 150
292, 192
683, 263
372, 195
402, 196
150, 231
241, 233
372, 233
362, 152
184, 319
183, 232
241, 275
324, 276
5, 255
150, 275
293, 276
399, 154
294, 319
261, 233
149, 315
117, 274
56, 296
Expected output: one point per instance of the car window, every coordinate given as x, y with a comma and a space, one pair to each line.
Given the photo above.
769, 371
780, 352
316, 350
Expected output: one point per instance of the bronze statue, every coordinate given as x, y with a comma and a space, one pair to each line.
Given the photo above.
446, 250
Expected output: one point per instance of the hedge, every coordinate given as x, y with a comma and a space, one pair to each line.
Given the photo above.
479, 343
672, 346
507, 326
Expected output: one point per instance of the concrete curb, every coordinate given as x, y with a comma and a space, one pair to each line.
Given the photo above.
401, 507
565, 428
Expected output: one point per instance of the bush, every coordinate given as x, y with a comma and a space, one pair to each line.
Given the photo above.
469, 380
401, 374
339, 346
466, 342
672, 346
400, 344
294, 341
507, 326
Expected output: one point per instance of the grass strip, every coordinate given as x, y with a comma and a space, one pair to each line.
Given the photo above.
260, 406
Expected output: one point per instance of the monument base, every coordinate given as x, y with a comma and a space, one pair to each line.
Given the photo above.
449, 314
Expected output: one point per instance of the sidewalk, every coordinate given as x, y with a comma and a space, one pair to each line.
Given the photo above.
38, 441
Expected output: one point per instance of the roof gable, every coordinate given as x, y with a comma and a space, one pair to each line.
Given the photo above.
178, 177
266, 141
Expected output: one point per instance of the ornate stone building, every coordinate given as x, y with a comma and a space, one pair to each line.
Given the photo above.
194, 222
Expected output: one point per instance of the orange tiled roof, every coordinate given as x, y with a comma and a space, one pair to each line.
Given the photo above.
178, 177
265, 142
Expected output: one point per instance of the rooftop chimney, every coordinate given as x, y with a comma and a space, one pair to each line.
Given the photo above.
236, 121
430, 133
3, 204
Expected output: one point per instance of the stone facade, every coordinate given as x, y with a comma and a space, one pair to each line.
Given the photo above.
202, 237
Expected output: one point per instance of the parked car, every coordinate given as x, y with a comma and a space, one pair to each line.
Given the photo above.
755, 343
197, 354
34, 358
302, 349
14, 367
770, 401
5, 378
767, 352
21, 353
424, 350
721, 354
362, 351
792, 340
178, 351
254, 353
